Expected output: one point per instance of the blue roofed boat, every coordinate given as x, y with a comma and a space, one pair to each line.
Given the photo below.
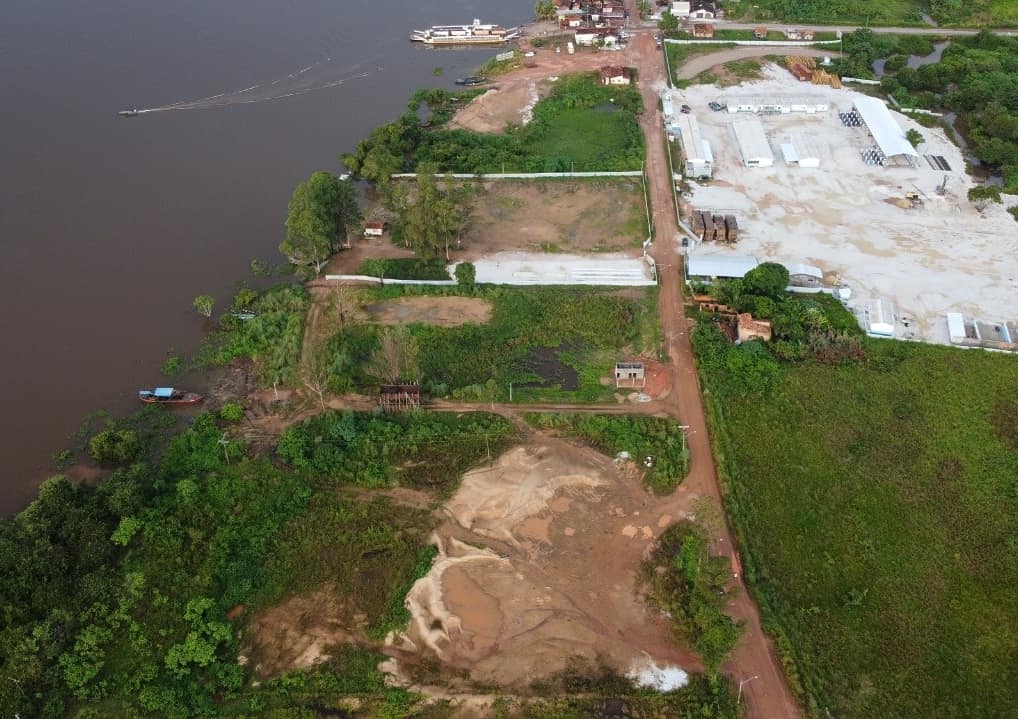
168, 395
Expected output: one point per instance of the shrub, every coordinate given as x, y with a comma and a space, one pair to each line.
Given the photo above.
231, 412
115, 446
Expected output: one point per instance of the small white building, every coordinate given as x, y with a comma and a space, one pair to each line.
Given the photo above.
880, 319
698, 160
799, 152
753, 145
800, 275
586, 37
667, 108
681, 8
776, 106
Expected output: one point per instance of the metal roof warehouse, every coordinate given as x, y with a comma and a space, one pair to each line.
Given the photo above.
756, 151
885, 130
705, 268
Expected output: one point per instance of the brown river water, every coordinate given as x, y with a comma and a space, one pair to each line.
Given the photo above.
110, 226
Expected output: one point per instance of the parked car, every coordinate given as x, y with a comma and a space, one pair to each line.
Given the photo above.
685, 109
716, 106
529, 53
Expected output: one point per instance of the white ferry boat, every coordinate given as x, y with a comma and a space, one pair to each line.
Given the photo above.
476, 34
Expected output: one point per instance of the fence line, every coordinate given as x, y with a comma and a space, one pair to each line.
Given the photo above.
388, 280
763, 43
522, 175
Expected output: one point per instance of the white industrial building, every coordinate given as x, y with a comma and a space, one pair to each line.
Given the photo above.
697, 158
774, 106
667, 108
880, 318
889, 136
753, 145
797, 151
708, 268
800, 275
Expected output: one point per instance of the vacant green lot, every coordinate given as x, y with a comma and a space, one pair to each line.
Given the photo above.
548, 342
878, 503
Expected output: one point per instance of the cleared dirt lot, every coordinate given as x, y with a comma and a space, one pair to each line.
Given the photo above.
557, 216
440, 311
843, 217
510, 598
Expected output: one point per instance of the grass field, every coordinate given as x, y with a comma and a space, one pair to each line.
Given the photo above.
878, 504
587, 137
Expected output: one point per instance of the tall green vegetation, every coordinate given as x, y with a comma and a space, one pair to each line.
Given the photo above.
690, 584
972, 13
272, 337
548, 342
545, 10
430, 218
581, 126
117, 596
877, 505
321, 212
655, 444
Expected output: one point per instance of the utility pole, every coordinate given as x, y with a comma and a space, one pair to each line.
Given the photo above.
741, 682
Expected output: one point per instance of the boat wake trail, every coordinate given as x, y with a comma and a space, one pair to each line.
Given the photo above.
312, 78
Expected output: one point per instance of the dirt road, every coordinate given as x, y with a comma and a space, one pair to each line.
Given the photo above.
767, 696
699, 63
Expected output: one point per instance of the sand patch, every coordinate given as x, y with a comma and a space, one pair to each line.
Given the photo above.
441, 311
555, 583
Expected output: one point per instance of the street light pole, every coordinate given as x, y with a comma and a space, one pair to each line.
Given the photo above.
741, 682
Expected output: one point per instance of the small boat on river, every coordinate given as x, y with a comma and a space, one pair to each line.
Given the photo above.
133, 112
168, 395
472, 80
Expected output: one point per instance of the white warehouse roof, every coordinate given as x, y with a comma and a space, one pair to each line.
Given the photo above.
731, 266
884, 128
693, 144
756, 151
795, 268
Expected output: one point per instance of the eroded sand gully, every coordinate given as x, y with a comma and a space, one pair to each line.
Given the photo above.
537, 566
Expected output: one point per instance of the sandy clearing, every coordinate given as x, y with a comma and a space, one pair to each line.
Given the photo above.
497, 107
562, 216
946, 257
441, 311
524, 612
699, 63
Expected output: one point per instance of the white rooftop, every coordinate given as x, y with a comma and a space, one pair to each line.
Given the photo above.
796, 268
693, 144
719, 265
884, 128
752, 141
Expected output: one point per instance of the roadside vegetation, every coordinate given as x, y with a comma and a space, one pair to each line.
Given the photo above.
581, 126
548, 343
977, 13
655, 444
872, 486
690, 584
677, 55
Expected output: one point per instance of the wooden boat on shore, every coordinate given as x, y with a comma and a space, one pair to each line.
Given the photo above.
169, 395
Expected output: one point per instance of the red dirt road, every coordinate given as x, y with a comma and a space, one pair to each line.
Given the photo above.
767, 695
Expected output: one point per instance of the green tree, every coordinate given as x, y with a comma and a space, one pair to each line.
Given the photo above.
204, 304
432, 218
115, 446
321, 212
545, 10
466, 274
769, 279
668, 22
914, 137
